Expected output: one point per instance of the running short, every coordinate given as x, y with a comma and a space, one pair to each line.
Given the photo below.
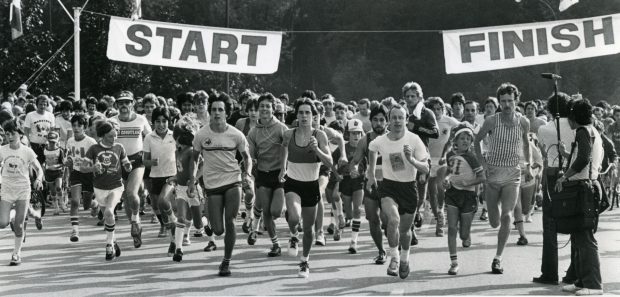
222, 190
349, 185
374, 194
52, 175
12, 194
181, 193
405, 194
308, 191
268, 179
78, 178
465, 201
114, 194
157, 184
136, 162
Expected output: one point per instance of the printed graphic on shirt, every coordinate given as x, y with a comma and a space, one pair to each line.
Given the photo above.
109, 160
130, 132
397, 161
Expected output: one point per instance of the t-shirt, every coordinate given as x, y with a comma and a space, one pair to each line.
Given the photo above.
183, 159
161, 149
130, 133
435, 146
76, 150
53, 158
40, 125
463, 168
395, 166
16, 166
111, 159
63, 126
548, 136
218, 151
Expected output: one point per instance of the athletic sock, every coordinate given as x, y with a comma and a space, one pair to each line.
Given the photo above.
18, 243
135, 218
304, 259
178, 235
109, 231
296, 234
393, 252
226, 261
355, 228
404, 256
257, 216
498, 257
453, 259
186, 229
274, 240
74, 222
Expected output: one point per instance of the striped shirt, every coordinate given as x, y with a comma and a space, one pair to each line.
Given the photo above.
505, 143
302, 164
130, 133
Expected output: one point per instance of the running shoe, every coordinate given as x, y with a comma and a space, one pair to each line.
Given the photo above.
275, 251
210, 246
483, 215
380, 259
292, 246
299, 228
467, 242
100, 223
522, 240
528, 218
136, 233
439, 232
109, 252
496, 267
588, 292
38, 221
186, 241
162, 231
15, 260
417, 221
171, 248
304, 269
545, 280
246, 226
414, 238
178, 255
454, 269
347, 223
208, 230
392, 269
341, 222
338, 234
75, 236
93, 209
252, 238
571, 288
353, 247
199, 233
320, 239
331, 228
117, 249
224, 268
403, 271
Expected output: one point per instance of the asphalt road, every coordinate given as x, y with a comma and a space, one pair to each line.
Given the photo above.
54, 266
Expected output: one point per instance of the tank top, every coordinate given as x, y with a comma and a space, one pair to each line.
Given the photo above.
505, 143
303, 164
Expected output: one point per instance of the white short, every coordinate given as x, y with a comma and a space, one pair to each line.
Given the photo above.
101, 196
181, 193
12, 194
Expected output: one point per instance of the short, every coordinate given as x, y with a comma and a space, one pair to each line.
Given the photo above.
309, 191
13, 194
268, 179
374, 194
136, 162
157, 184
78, 178
101, 196
349, 185
181, 193
52, 175
405, 194
222, 190
465, 201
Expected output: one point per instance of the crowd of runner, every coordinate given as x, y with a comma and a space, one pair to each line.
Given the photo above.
197, 158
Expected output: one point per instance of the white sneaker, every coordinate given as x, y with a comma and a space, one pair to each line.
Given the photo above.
454, 269
186, 240
587, 292
571, 288
528, 218
304, 270
292, 246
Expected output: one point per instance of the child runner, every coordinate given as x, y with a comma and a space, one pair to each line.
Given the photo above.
464, 173
54, 159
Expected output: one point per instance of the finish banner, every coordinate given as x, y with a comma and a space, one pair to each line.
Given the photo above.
193, 47
490, 48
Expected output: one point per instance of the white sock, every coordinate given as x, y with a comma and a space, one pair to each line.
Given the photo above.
354, 236
109, 237
18, 244
186, 230
178, 235
394, 253
405, 256
135, 218
304, 259
498, 257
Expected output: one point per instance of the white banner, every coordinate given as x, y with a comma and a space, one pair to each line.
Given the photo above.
194, 47
489, 48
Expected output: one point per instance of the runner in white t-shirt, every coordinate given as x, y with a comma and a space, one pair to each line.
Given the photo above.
37, 125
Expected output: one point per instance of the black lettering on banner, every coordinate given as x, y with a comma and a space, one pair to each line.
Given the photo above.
525, 46
494, 45
253, 42
607, 31
168, 35
467, 49
218, 50
541, 39
573, 40
145, 45
194, 38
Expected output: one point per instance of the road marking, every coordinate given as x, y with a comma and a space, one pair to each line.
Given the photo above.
398, 292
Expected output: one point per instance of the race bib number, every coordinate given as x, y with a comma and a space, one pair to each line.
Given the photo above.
397, 161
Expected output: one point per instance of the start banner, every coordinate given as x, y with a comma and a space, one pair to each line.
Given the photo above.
193, 47
490, 48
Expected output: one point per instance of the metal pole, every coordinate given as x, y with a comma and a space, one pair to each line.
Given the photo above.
227, 25
557, 125
76, 54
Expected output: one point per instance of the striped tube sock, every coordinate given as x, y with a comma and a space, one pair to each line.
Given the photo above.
274, 240
109, 231
355, 228
257, 216
75, 222
453, 259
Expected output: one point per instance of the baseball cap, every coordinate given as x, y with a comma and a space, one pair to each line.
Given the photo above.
355, 125
52, 136
125, 95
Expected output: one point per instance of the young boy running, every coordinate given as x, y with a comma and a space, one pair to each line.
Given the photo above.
54, 159
464, 173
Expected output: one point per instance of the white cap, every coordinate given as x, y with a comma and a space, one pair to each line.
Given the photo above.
355, 125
